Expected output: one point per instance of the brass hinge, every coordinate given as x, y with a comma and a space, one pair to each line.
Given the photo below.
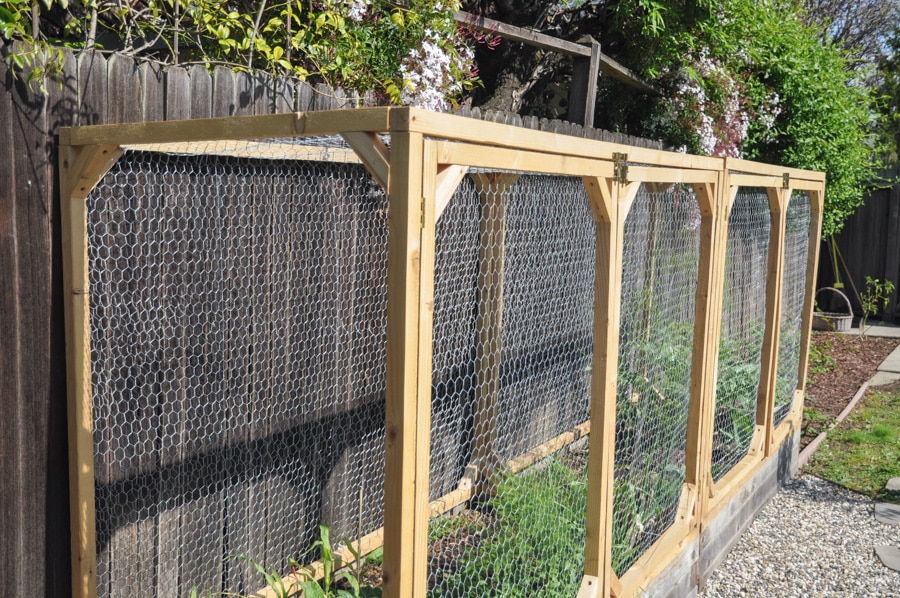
786, 180
620, 167
422, 213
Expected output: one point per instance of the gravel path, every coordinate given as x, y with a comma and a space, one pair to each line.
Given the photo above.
814, 539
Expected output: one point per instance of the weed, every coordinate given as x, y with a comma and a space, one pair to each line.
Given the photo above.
820, 360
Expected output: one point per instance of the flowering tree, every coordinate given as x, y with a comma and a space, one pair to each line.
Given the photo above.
750, 79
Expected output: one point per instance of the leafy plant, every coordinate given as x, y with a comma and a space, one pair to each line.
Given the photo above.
533, 544
816, 421
874, 299
749, 78
820, 361
312, 587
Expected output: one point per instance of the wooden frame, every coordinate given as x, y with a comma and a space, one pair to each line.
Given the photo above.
767, 438
428, 157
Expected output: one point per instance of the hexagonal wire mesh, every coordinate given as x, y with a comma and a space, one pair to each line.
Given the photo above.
514, 295
237, 332
659, 286
793, 292
743, 328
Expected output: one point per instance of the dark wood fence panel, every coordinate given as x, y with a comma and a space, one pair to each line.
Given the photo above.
34, 500
870, 246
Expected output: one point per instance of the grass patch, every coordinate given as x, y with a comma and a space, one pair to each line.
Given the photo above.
816, 421
863, 453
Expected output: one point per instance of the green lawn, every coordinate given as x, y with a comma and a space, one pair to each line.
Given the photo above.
864, 451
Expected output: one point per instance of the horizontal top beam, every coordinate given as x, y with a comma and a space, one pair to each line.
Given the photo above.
197, 132
738, 165
547, 42
262, 126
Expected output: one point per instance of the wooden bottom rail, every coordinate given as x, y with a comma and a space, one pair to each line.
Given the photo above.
467, 488
542, 451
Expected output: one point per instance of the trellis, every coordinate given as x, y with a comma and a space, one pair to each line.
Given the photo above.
520, 287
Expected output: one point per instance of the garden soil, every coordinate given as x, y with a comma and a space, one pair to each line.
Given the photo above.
838, 366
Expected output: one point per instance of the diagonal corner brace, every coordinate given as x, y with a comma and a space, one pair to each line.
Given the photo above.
375, 155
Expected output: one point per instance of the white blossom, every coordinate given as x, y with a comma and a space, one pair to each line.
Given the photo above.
427, 74
357, 10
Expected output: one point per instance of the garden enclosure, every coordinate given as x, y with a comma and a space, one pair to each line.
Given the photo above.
522, 363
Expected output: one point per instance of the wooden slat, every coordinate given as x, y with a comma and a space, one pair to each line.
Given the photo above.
755, 180
253, 149
201, 92
331, 122
429, 166
774, 275
483, 156
546, 449
402, 488
583, 89
607, 204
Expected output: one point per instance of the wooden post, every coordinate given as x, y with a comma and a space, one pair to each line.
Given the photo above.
80, 170
610, 203
583, 90
408, 401
816, 201
707, 329
492, 189
765, 409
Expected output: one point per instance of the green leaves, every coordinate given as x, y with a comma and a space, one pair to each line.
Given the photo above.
359, 45
804, 106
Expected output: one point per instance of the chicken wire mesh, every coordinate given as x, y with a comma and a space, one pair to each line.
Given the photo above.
658, 295
743, 327
513, 313
793, 293
237, 316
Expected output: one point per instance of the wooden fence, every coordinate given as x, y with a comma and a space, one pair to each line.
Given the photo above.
869, 245
92, 89
431, 165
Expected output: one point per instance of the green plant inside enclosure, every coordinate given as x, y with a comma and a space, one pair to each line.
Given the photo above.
334, 583
863, 452
874, 299
530, 537
736, 397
